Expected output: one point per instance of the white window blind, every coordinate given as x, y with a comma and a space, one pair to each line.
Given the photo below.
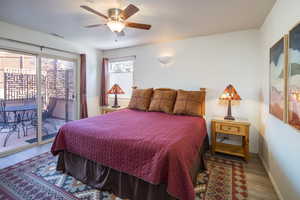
121, 73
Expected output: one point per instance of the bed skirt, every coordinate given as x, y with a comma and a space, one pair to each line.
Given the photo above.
121, 184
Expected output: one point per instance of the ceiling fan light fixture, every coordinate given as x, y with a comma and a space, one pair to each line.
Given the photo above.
116, 25
116, 19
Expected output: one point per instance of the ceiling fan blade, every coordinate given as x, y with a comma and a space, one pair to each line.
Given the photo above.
138, 25
94, 11
94, 25
120, 34
129, 11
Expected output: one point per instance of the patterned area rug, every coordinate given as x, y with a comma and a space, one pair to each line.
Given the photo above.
37, 178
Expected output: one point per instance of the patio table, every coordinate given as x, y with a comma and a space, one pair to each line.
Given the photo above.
20, 111
20, 108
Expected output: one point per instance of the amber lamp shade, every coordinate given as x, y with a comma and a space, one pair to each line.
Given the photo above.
230, 94
115, 89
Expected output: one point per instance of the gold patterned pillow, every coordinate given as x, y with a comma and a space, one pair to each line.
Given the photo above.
189, 103
163, 100
140, 99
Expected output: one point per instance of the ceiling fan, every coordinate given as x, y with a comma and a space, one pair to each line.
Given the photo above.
116, 19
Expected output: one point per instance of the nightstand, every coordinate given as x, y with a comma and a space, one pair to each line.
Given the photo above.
108, 109
230, 127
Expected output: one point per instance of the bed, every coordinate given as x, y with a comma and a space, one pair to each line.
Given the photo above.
135, 154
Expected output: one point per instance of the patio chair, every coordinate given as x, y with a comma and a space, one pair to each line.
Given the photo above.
30, 121
45, 114
8, 122
34, 124
64, 109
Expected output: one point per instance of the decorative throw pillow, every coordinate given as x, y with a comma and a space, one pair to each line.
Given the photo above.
140, 99
163, 100
189, 103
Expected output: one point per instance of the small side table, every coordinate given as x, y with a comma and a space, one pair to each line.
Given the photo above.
108, 109
230, 127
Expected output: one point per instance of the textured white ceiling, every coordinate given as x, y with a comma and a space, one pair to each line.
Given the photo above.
170, 19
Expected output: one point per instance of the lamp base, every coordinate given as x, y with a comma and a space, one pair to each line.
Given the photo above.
115, 106
229, 118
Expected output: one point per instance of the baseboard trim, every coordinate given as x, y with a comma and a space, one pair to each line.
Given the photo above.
276, 188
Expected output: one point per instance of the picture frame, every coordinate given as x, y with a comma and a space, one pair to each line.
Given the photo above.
293, 78
278, 79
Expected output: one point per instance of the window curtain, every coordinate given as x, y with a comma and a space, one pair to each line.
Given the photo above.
104, 82
83, 100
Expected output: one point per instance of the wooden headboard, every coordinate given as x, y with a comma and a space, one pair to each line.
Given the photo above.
203, 90
203, 104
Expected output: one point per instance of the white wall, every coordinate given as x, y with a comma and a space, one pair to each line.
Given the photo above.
93, 56
211, 62
279, 143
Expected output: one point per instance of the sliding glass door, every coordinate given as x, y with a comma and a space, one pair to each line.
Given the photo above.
37, 96
18, 100
57, 94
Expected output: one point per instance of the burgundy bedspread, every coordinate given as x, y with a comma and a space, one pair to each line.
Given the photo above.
153, 146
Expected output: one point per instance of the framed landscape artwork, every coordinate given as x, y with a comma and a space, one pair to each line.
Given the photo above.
293, 90
278, 66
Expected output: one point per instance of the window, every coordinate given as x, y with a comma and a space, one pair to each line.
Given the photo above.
121, 73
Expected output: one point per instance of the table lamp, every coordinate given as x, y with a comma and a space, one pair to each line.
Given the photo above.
230, 94
116, 90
